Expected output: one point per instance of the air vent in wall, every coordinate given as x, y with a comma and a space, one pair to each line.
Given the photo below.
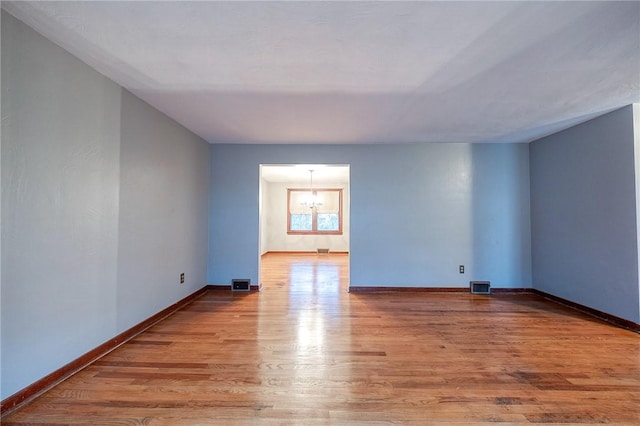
480, 287
240, 285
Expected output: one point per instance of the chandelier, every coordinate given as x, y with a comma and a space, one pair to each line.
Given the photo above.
311, 200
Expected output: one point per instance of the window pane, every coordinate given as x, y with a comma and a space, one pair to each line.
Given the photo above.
328, 222
321, 217
301, 222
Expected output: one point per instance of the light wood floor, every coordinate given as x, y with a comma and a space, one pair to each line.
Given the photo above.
304, 351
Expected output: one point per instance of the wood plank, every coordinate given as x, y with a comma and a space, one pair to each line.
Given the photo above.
305, 350
35, 389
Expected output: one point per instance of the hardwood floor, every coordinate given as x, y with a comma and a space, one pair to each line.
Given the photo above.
304, 351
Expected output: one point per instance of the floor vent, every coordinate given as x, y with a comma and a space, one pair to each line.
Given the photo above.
323, 251
480, 287
240, 285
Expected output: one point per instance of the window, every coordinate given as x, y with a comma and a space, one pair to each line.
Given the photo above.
314, 212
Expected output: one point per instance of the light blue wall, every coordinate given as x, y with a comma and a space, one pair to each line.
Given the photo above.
417, 211
583, 215
164, 205
60, 172
104, 203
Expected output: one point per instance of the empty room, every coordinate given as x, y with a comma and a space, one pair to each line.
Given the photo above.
233, 212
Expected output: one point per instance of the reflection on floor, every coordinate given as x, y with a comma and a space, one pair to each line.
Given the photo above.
305, 351
317, 276
315, 285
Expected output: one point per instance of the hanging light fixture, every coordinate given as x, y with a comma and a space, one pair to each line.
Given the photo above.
312, 200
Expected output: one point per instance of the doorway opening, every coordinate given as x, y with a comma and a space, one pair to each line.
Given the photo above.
304, 210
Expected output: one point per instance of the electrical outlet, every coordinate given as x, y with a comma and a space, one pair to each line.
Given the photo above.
461, 269
182, 278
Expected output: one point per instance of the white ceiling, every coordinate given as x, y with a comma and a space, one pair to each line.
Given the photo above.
359, 72
322, 173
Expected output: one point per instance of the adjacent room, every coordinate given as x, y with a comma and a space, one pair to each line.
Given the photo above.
320, 212
304, 209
